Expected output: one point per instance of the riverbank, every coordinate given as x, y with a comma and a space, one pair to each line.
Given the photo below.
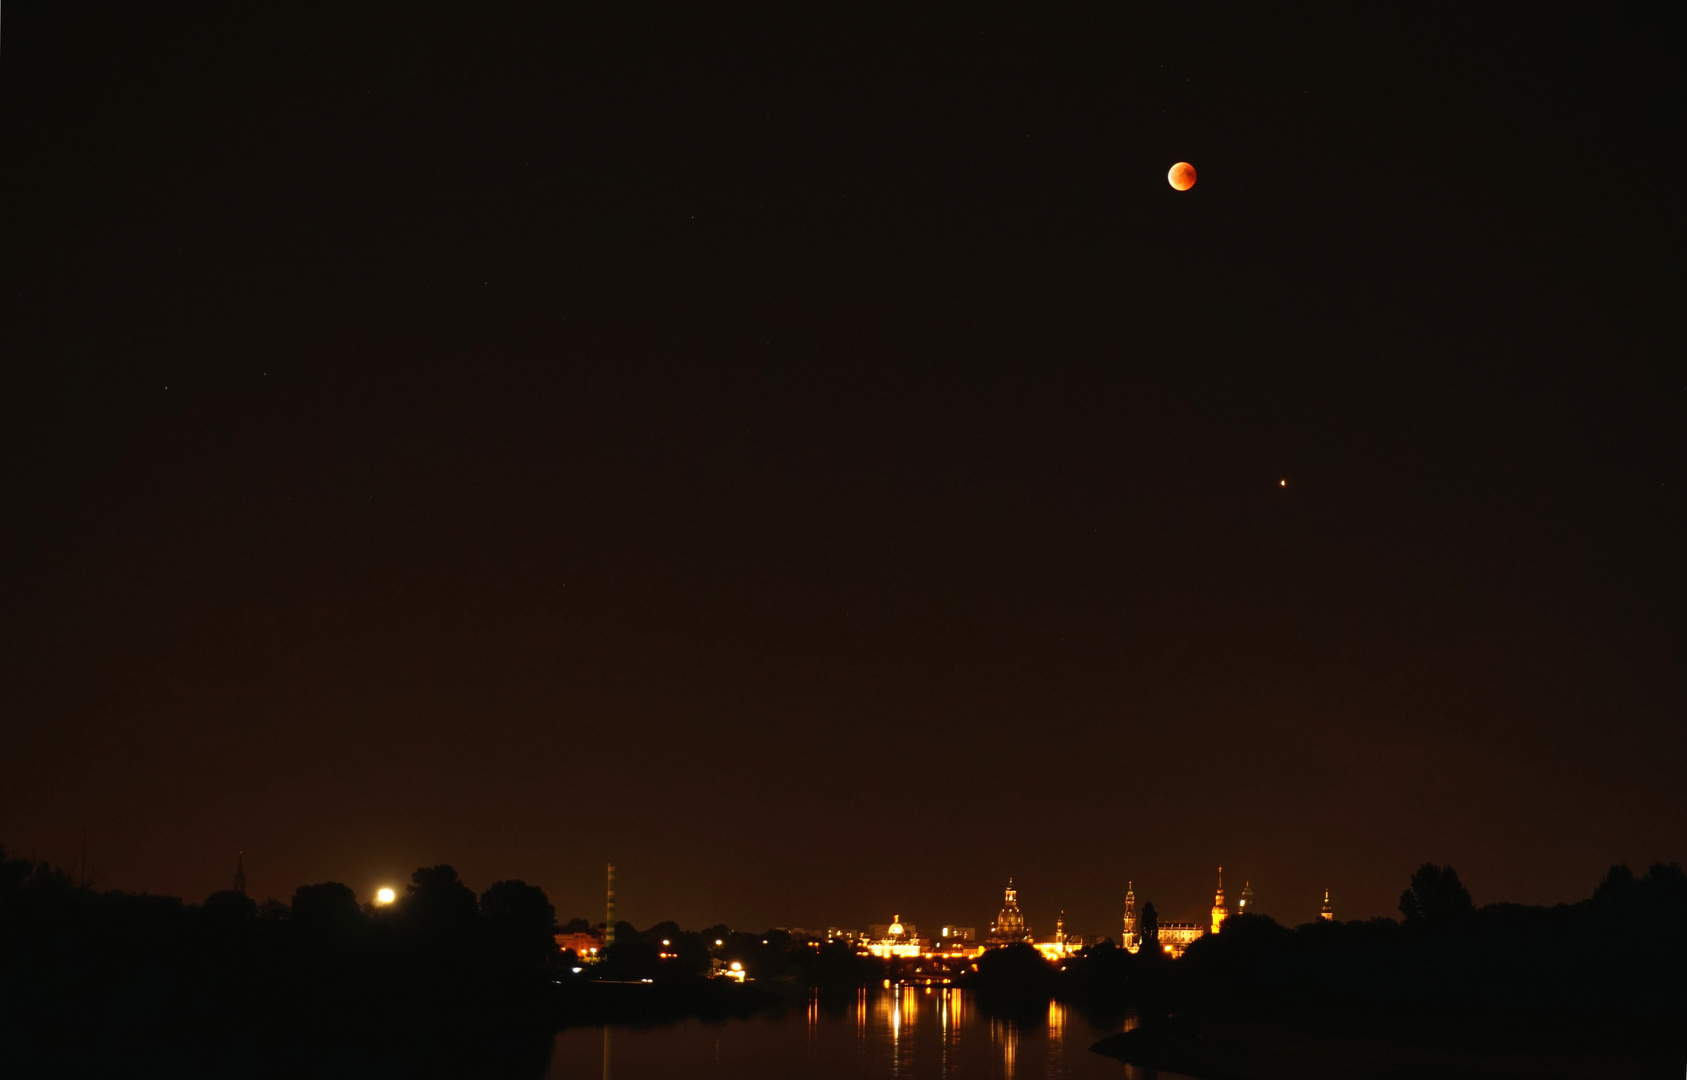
1348, 1046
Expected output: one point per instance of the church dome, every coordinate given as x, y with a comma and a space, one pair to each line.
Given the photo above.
1009, 922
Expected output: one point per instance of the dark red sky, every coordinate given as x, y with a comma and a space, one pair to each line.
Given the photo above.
818, 463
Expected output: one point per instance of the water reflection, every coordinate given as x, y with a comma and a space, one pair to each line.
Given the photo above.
905, 1033
1005, 1034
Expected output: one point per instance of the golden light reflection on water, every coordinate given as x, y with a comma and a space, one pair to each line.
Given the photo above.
915, 1033
1057, 1025
1005, 1035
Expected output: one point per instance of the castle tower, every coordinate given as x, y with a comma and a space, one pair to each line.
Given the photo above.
1246, 903
1326, 913
1220, 912
240, 873
1060, 928
1130, 941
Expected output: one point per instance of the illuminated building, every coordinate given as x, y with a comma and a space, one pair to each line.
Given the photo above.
586, 946
1246, 903
1178, 936
1326, 912
1009, 926
884, 931
834, 933
894, 939
1063, 945
968, 934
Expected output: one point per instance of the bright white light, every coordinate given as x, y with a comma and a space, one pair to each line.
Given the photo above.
665, 941
385, 896
718, 941
736, 966
577, 970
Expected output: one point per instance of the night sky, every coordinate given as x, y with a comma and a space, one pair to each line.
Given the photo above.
810, 456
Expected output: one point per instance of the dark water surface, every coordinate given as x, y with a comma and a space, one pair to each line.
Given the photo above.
909, 1034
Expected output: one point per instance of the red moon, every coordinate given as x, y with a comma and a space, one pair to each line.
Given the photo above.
1182, 176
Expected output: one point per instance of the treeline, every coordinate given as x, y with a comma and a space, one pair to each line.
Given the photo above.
1623, 948
82, 969
1597, 987
440, 970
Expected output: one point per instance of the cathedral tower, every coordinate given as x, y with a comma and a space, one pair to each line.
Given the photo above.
1220, 911
1130, 942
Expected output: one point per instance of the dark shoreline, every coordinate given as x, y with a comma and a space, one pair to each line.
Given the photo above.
1369, 1045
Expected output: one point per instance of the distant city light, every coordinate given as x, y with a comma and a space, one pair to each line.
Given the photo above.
736, 966
385, 896
665, 941
719, 942
577, 970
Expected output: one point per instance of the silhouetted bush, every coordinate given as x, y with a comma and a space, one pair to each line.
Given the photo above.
1013, 974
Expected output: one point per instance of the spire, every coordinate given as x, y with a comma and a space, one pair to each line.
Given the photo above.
1326, 912
240, 873
1220, 911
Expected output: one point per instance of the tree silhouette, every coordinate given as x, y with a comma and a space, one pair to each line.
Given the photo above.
1148, 929
1013, 973
326, 909
1436, 898
228, 908
436, 902
521, 919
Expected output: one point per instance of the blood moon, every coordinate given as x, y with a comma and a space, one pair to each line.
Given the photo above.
1182, 176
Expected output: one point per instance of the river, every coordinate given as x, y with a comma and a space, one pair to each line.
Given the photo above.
911, 1033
